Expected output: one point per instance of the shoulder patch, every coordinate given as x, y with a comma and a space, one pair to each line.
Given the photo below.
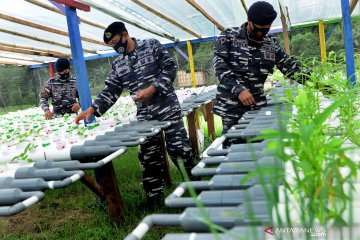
47, 89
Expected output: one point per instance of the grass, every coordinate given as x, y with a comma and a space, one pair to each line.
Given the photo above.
72, 212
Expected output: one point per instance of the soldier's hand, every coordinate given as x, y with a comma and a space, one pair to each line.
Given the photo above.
246, 98
48, 114
145, 94
84, 115
75, 107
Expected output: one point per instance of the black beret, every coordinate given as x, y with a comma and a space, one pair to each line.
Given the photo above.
62, 64
112, 30
262, 13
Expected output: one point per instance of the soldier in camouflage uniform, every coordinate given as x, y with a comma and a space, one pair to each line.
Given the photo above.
62, 91
243, 58
146, 69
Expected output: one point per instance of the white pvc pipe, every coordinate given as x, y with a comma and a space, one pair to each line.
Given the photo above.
215, 145
51, 153
112, 156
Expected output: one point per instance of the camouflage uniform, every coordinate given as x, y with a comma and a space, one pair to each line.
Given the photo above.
239, 64
63, 95
150, 64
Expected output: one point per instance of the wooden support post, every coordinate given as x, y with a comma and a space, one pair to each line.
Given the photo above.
193, 132
285, 33
93, 185
322, 40
111, 192
165, 159
209, 117
285, 30
108, 190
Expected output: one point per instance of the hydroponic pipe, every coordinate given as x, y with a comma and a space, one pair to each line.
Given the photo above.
254, 126
49, 170
214, 145
220, 182
46, 174
76, 165
149, 221
237, 156
234, 167
222, 198
121, 135
140, 129
248, 233
37, 184
143, 132
113, 143
255, 121
246, 147
191, 220
260, 116
75, 152
128, 137
247, 133
157, 123
9, 194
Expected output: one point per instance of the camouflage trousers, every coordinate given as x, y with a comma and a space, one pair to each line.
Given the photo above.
151, 157
227, 123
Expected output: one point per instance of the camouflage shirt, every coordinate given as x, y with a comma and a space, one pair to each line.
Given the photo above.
149, 64
239, 64
62, 94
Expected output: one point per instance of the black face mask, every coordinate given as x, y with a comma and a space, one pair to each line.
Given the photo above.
253, 33
120, 47
64, 76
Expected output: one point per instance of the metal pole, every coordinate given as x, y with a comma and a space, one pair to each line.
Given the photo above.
348, 40
78, 59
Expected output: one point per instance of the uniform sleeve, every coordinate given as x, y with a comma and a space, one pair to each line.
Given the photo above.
44, 95
289, 66
167, 69
109, 95
221, 65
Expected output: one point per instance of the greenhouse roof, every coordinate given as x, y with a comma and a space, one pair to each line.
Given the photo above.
34, 31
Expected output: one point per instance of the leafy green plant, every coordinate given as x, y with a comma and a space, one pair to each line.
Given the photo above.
312, 147
24, 155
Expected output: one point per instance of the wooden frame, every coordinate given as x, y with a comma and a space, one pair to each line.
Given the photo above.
203, 12
54, 9
157, 13
45, 28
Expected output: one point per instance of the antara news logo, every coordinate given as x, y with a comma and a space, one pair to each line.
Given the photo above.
312, 231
